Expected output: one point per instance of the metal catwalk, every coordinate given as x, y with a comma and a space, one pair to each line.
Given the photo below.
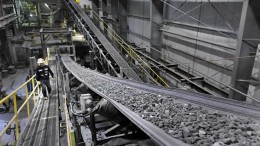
43, 126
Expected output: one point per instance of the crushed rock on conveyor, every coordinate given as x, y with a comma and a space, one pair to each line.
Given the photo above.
192, 124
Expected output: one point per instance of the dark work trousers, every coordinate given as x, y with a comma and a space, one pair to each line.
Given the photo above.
44, 84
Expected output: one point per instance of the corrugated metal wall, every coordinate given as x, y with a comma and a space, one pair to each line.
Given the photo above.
204, 40
139, 25
200, 39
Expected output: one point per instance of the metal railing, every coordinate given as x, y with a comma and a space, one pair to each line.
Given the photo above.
26, 102
131, 51
71, 140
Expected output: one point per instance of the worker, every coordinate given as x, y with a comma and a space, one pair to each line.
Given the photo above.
42, 75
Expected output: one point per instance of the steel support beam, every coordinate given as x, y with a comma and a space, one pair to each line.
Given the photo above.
139, 35
202, 60
114, 9
102, 8
11, 49
38, 12
256, 74
47, 33
199, 27
122, 6
1, 8
156, 13
176, 76
139, 17
7, 20
243, 67
184, 36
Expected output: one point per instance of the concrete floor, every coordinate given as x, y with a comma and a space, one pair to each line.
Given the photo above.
10, 83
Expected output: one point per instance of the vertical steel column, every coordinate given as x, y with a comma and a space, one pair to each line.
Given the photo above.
156, 13
243, 66
1, 8
43, 43
11, 49
100, 13
123, 26
38, 8
255, 87
122, 9
115, 24
93, 126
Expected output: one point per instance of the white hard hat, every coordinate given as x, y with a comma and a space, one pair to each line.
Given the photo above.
40, 60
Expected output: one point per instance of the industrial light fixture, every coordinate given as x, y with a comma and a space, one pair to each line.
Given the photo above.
47, 6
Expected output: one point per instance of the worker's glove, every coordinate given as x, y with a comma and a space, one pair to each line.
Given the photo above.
38, 82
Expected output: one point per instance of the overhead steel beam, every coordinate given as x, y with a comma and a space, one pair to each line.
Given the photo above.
7, 5
200, 58
139, 35
139, 17
6, 21
199, 39
200, 27
7, 16
47, 33
125, 67
179, 77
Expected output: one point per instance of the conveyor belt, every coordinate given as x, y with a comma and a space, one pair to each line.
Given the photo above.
157, 134
83, 75
129, 72
42, 128
219, 103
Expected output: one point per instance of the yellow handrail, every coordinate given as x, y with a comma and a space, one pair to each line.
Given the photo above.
70, 134
121, 42
19, 88
16, 112
46, 60
28, 96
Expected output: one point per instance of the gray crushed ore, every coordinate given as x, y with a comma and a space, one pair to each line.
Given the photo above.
190, 123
